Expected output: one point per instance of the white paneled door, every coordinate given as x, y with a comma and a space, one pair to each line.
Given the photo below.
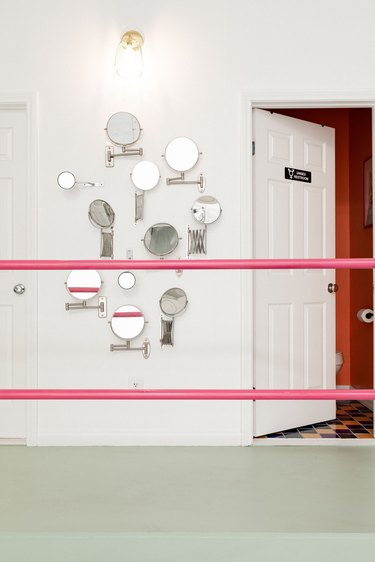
13, 228
294, 313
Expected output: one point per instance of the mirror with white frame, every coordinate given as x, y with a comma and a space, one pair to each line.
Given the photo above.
172, 303
145, 176
67, 180
126, 280
85, 284
205, 210
182, 154
128, 323
101, 215
123, 129
161, 239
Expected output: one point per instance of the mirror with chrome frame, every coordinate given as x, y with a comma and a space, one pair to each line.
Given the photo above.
172, 303
182, 154
128, 323
205, 210
126, 280
101, 215
67, 180
145, 176
85, 284
161, 239
123, 129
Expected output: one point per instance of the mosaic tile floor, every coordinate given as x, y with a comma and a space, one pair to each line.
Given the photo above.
353, 420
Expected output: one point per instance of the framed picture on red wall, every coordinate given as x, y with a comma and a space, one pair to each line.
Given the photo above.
367, 192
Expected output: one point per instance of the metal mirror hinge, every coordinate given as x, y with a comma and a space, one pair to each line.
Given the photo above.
181, 180
101, 307
146, 348
110, 154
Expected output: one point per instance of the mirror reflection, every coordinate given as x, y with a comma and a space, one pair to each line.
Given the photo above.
101, 214
83, 284
123, 128
126, 280
145, 175
173, 302
161, 239
206, 209
181, 154
66, 180
127, 322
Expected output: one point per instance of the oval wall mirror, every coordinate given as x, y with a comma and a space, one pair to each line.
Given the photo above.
126, 280
101, 214
206, 209
127, 322
181, 154
66, 180
123, 128
83, 284
145, 175
161, 239
173, 302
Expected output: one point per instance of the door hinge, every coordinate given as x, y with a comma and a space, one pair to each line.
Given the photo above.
253, 148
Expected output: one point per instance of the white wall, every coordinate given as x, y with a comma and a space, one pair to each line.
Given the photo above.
199, 55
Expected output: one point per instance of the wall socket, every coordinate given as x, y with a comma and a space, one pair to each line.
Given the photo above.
135, 382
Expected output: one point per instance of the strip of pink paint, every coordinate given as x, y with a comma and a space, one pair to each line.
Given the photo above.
183, 394
127, 314
83, 289
323, 263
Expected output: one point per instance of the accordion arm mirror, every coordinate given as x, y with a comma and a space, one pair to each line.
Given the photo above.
67, 180
84, 285
145, 176
127, 323
161, 239
182, 154
123, 129
172, 303
205, 210
101, 215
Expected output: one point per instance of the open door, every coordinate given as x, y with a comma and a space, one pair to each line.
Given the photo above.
294, 310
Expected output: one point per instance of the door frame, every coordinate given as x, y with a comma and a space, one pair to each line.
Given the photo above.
265, 100
28, 101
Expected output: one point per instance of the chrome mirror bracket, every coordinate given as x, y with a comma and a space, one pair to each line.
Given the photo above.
197, 241
125, 151
180, 180
146, 348
101, 307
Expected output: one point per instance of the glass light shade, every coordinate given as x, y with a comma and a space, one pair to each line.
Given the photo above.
128, 61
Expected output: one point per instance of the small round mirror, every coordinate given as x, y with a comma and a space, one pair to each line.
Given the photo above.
101, 214
83, 284
126, 280
173, 302
206, 209
127, 322
123, 128
145, 175
181, 154
161, 239
66, 180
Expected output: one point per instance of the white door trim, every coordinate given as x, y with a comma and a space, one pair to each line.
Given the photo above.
264, 100
29, 103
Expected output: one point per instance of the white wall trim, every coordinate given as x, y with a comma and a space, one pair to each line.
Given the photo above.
140, 439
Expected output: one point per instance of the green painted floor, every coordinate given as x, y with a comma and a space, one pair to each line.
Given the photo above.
121, 497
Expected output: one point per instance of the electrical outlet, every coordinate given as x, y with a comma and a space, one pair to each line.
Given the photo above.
135, 382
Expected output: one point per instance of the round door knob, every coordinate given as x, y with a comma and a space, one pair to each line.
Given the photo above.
333, 288
19, 289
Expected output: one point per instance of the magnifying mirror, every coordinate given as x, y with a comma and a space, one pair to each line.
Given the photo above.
102, 216
145, 176
172, 303
122, 130
161, 239
67, 180
84, 285
182, 154
126, 280
206, 209
127, 322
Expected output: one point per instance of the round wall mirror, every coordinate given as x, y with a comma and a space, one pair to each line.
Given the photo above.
101, 214
145, 175
127, 322
161, 239
126, 280
123, 128
66, 180
83, 284
181, 154
173, 302
206, 209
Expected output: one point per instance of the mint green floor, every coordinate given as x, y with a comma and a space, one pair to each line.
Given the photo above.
186, 503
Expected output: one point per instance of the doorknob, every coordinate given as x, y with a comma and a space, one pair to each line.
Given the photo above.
19, 289
333, 288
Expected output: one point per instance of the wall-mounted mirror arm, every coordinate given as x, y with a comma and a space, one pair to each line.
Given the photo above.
166, 331
101, 307
138, 206
106, 245
201, 182
125, 151
197, 240
146, 348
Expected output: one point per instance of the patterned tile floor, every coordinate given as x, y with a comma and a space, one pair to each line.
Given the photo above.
353, 420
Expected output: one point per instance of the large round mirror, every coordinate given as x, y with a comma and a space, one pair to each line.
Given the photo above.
83, 284
101, 214
173, 302
123, 128
145, 175
66, 180
126, 280
181, 154
127, 322
206, 209
161, 239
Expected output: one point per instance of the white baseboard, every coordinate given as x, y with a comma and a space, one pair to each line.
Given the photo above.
139, 439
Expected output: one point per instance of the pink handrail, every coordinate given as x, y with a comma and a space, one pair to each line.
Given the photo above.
184, 394
321, 263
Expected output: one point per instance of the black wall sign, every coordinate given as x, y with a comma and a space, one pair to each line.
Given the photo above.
297, 175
